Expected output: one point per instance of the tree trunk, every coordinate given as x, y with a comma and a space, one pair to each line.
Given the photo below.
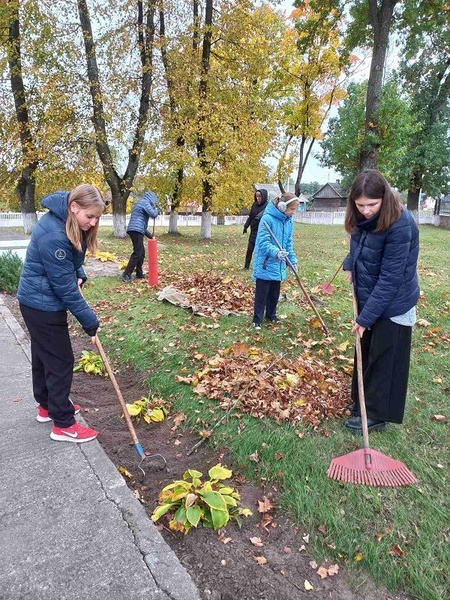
205, 227
380, 19
303, 159
173, 222
201, 144
120, 186
26, 188
26, 184
415, 185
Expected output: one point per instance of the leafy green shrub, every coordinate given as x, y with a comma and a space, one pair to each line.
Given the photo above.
151, 409
189, 501
91, 362
10, 269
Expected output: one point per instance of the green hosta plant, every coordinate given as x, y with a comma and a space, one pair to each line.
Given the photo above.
91, 362
189, 502
148, 409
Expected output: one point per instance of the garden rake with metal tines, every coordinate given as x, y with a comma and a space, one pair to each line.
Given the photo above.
126, 414
366, 466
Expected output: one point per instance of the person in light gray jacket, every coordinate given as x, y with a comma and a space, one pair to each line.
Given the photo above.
144, 209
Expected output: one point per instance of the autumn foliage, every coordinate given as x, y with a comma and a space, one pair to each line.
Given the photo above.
301, 390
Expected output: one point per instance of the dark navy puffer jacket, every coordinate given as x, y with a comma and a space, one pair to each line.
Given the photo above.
384, 268
52, 267
144, 208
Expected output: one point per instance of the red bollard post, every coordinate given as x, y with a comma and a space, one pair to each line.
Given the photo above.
153, 262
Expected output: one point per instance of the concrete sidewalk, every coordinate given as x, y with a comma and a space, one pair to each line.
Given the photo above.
70, 529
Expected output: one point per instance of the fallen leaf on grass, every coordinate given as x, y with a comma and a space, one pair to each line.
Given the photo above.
254, 457
359, 557
313, 564
308, 586
396, 551
256, 541
440, 418
261, 560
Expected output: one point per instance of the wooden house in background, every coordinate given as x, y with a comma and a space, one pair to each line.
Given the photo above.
331, 196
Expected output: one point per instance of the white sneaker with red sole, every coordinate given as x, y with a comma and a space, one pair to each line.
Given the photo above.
42, 413
75, 433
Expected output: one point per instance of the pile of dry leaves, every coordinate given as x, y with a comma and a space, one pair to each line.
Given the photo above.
299, 390
212, 293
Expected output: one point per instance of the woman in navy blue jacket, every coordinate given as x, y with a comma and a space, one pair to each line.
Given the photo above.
269, 268
49, 286
144, 209
382, 266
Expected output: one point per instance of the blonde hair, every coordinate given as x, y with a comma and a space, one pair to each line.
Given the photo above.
86, 196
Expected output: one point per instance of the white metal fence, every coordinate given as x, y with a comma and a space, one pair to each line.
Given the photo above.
319, 217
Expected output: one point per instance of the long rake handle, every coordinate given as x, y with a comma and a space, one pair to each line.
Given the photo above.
126, 414
362, 399
336, 273
294, 270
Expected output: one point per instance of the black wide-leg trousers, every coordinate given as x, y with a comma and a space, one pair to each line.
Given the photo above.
386, 351
51, 362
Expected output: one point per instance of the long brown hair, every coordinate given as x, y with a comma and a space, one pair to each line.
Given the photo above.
86, 196
372, 184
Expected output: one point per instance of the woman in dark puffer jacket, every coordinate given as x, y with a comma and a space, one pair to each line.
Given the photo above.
49, 286
382, 266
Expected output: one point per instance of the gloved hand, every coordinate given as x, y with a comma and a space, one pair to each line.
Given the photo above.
148, 234
245, 230
282, 255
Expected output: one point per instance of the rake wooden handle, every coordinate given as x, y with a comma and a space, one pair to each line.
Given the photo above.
126, 414
294, 270
362, 400
336, 273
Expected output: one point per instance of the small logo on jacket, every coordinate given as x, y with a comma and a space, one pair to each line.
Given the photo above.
60, 254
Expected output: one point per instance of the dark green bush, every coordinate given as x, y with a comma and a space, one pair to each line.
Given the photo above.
10, 269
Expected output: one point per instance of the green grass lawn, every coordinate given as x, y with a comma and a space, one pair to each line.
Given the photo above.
400, 536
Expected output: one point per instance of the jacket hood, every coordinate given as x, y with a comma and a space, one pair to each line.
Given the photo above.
151, 197
264, 196
277, 214
57, 204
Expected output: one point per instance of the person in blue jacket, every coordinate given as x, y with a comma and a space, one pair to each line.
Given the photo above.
382, 267
144, 209
269, 268
49, 286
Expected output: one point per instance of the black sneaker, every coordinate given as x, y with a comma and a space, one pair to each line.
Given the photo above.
125, 277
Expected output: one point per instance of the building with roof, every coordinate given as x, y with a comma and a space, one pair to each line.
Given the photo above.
330, 196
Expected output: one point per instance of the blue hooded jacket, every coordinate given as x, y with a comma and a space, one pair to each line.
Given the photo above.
141, 212
384, 268
266, 265
52, 266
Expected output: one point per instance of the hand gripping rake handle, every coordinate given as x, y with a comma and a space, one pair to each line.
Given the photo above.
126, 414
361, 396
294, 270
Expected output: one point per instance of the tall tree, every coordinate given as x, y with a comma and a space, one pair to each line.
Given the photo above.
26, 183
380, 18
312, 63
120, 185
397, 123
425, 72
